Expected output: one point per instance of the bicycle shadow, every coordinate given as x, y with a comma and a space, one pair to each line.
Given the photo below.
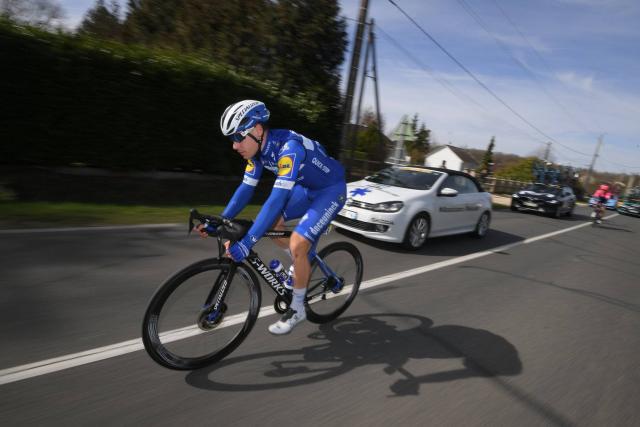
351, 342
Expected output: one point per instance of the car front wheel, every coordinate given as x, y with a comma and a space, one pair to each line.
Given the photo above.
416, 233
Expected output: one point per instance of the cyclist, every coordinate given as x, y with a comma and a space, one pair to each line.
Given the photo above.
602, 195
309, 185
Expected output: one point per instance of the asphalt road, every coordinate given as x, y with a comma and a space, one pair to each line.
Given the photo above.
540, 332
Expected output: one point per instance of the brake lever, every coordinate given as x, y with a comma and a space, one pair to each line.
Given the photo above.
204, 220
191, 215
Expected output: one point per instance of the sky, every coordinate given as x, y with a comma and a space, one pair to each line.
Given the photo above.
526, 72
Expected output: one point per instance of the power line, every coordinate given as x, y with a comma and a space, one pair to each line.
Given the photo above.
466, 70
570, 160
471, 12
526, 40
477, 80
620, 164
426, 68
447, 85
484, 86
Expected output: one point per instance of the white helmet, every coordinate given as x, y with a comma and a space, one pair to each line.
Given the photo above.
241, 117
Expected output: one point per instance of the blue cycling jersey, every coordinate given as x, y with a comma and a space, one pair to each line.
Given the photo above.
295, 160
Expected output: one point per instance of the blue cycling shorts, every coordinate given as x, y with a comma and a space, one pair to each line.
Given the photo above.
317, 208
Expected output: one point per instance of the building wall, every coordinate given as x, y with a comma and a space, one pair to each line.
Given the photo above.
435, 160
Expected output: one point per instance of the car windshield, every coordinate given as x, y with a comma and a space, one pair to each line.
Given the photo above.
416, 179
542, 188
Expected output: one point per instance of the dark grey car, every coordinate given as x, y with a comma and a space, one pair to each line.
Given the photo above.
552, 200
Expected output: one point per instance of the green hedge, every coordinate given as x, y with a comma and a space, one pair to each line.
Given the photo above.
68, 100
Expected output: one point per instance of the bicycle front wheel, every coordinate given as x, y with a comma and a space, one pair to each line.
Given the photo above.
179, 334
334, 281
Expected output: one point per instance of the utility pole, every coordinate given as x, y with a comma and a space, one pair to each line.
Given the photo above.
593, 162
372, 38
546, 152
365, 69
345, 141
629, 185
371, 49
353, 131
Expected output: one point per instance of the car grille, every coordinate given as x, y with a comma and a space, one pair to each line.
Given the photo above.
539, 202
360, 225
531, 199
359, 204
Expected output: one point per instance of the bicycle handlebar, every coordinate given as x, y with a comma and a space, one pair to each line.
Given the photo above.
204, 219
230, 229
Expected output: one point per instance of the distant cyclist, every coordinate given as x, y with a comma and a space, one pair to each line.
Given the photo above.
602, 196
309, 185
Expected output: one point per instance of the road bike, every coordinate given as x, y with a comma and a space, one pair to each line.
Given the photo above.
203, 312
598, 212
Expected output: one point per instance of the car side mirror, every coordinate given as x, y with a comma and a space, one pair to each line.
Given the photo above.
448, 192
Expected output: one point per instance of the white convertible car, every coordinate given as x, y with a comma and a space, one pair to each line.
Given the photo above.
408, 204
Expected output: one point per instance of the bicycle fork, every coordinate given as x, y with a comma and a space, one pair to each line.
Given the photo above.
212, 314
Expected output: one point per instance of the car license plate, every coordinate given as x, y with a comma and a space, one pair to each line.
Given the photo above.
531, 204
349, 214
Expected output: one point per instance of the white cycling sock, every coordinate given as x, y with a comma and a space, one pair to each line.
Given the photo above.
298, 299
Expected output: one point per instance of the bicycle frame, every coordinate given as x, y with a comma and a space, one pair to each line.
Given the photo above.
269, 276
221, 286
599, 210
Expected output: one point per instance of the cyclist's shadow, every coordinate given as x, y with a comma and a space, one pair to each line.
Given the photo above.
387, 339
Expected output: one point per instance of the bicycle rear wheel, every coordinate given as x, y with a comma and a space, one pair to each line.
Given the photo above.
334, 282
178, 334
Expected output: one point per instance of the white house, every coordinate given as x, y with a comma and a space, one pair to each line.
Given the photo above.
450, 157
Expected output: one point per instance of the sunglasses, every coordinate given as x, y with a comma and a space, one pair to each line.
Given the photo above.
239, 136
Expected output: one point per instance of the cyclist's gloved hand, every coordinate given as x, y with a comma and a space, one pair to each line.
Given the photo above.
240, 250
211, 228
205, 229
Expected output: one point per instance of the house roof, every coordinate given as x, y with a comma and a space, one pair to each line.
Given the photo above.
463, 154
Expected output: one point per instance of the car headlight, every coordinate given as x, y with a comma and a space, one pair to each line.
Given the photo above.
388, 207
552, 201
515, 196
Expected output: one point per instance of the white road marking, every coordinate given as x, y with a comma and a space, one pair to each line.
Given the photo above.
31, 370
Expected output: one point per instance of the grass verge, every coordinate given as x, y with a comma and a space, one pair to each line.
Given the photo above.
44, 214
